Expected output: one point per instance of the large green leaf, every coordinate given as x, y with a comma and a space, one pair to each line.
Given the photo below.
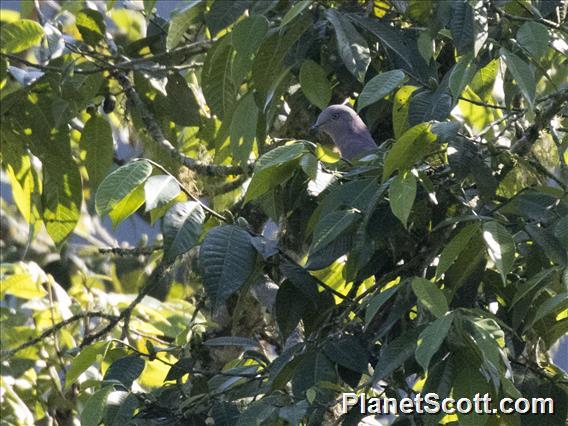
273, 168
182, 228
500, 246
243, 128
454, 248
430, 296
248, 34
531, 284
227, 259
349, 353
314, 83
377, 302
378, 87
181, 22
411, 147
548, 242
269, 60
119, 184
96, 140
395, 354
91, 25
553, 305
461, 75
62, 188
294, 11
218, 87
223, 13
84, 360
430, 340
469, 382
95, 406
127, 206
401, 43
182, 106
331, 227
402, 192
290, 307
461, 26
533, 37
125, 370
352, 47
314, 369
522, 74
20, 35
160, 190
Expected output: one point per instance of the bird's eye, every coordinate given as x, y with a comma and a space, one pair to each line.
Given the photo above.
335, 116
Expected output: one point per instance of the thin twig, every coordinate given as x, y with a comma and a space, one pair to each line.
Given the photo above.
131, 251
485, 104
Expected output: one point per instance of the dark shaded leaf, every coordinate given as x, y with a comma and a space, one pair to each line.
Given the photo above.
223, 13
349, 353
182, 228
430, 340
91, 25
227, 258
125, 370
378, 87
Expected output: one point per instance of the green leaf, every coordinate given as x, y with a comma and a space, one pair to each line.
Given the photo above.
160, 190
96, 140
550, 306
395, 354
62, 188
467, 383
461, 26
561, 231
378, 87
290, 307
430, 296
548, 242
294, 11
125, 370
430, 340
181, 22
227, 259
400, 108
20, 35
182, 106
332, 226
531, 284
273, 169
349, 353
91, 25
500, 246
377, 302
314, 83
314, 368
182, 227
269, 60
411, 147
402, 45
454, 248
95, 407
533, 37
224, 413
352, 47
243, 128
223, 13
84, 360
127, 206
241, 342
461, 75
522, 74
402, 193
216, 76
119, 184
248, 34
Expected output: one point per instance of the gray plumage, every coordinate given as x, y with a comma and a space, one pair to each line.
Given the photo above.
346, 129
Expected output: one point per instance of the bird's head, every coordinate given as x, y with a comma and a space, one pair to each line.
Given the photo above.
335, 119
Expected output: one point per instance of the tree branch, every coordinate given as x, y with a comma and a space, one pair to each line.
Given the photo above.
8, 353
131, 251
156, 133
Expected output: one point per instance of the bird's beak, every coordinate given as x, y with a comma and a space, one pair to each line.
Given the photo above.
314, 128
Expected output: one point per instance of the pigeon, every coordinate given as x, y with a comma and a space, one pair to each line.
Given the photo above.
346, 129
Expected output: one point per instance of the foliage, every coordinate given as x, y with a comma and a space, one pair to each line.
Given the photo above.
437, 263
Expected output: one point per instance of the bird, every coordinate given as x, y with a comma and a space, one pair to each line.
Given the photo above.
348, 132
